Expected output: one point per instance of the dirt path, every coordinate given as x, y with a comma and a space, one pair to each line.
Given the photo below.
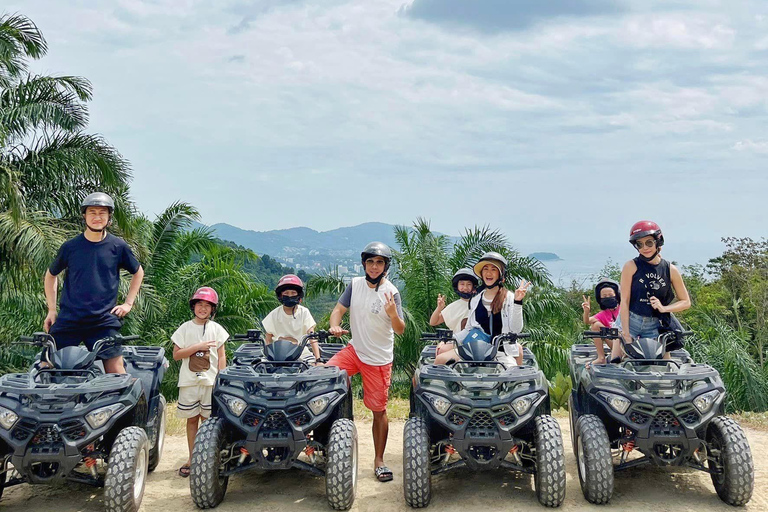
658, 489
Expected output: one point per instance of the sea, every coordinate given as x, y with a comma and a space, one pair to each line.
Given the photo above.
583, 263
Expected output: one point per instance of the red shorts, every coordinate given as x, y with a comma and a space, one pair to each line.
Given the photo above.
376, 379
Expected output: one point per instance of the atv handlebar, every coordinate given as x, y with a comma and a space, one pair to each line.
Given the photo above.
610, 333
439, 335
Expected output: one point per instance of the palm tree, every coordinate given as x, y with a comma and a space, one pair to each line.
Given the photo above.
48, 164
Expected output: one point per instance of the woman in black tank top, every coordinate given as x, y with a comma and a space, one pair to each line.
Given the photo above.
649, 286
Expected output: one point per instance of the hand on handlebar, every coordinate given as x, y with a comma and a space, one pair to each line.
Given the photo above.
627, 337
337, 331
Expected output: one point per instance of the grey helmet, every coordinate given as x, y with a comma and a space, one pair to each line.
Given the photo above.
463, 274
495, 259
377, 249
98, 199
607, 283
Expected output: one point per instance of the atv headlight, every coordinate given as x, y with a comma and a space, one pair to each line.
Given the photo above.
235, 405
318, 404
8, 418
618, 403
438, 403
523, 404
705, 401
99, 417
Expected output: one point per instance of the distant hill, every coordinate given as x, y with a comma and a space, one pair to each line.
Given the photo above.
545, 256
341, 242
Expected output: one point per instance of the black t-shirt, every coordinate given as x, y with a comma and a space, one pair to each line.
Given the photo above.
650, 281
91, 281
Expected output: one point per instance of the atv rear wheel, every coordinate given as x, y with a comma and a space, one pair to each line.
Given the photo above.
729, 448
341, 468
550, 462
157, 447
417, 477
205, 481
127, 471
593, 459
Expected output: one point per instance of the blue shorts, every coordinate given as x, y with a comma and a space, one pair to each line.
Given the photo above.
643, 326
89, 337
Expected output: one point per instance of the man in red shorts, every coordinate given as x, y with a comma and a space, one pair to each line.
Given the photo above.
375, 315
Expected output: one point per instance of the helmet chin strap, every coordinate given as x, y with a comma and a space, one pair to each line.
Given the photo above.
376, 280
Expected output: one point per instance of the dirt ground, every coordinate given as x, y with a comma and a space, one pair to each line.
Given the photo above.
648, 488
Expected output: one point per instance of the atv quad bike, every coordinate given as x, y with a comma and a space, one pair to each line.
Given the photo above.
481, 414
651, 410
271, 411
67, 421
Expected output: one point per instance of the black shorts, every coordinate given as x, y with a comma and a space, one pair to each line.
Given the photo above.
89, 337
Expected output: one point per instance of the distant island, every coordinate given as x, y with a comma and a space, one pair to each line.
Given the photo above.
545, 256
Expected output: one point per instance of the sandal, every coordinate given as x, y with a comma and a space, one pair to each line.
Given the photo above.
383, 474
184, 471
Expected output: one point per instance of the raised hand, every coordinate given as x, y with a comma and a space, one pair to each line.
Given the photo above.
390, 306
440, 301
522, 289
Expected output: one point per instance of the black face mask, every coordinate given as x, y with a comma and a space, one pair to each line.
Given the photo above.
376, 280
465, 295
608, 303
289, 302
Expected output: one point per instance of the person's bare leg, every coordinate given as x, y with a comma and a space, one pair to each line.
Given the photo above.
595, 327
447, 356
114, 365
193, 424
380, 434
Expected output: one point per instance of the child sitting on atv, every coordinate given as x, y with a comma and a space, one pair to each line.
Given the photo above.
455, 315
608, 297
291, 321
199, 344
495, 311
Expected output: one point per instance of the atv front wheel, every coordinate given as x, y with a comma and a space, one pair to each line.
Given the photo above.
730, 455
341, 468
593, 459
157, 447
417, 477
572, 417
550, 462
127, 471
206, 483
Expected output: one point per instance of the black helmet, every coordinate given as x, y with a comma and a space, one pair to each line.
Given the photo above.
98, 199
607, 283
495, 259
463, 274
377, 249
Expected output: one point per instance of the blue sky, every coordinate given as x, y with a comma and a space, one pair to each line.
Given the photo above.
556, 121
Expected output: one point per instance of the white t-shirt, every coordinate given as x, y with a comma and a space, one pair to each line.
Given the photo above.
454, 313
372, 334
280, 324
204, 365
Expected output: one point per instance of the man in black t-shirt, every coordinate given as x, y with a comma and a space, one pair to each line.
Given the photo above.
88, 308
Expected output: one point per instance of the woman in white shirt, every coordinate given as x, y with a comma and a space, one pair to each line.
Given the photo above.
496, 310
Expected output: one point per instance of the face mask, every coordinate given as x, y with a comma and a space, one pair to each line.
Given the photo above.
289, 302
608, 303
465, 295
376, 280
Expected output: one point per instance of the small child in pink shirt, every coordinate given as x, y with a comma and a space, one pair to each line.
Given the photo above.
608, 297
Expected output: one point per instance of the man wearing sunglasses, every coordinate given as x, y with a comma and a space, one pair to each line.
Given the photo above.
649, 287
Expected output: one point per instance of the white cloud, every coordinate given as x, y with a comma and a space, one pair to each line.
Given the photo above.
755, 146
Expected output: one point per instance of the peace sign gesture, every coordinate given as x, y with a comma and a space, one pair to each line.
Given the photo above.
522, 289
390, 306
585, 304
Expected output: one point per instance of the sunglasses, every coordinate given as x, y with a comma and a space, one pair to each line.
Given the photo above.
648, 243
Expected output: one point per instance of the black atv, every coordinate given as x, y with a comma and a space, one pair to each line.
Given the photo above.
271, 411
481, 414
651, 410
67, 421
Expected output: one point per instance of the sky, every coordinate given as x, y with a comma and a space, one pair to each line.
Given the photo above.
559, 122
